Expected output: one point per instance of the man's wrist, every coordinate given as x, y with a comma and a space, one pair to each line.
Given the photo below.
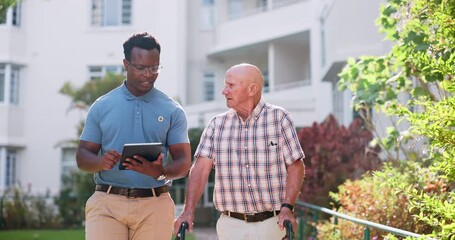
287, 205
163, 174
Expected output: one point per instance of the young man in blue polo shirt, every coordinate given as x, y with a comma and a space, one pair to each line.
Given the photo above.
134, 203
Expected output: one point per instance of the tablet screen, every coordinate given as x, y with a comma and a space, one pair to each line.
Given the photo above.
149, 151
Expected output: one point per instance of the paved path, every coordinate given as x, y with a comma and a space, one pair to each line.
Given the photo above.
205, 233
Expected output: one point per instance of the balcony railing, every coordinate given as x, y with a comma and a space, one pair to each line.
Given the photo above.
245, 12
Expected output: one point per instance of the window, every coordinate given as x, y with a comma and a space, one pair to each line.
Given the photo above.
262, 5
100, 71
266, 87
2, 83
111, 12
12, 16
209, 86
11, 168
323, 50
235, 9
9, 84
68, 161
207, 14
14, 86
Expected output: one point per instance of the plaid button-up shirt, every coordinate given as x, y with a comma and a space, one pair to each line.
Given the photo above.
250, 158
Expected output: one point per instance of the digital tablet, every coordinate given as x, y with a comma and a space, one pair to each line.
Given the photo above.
149, 151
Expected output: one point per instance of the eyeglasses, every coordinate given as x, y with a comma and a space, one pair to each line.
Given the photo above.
143, 69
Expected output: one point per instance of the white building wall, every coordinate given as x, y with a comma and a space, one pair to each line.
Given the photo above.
56, 44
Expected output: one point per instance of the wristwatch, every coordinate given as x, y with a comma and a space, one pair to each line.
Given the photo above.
162, 176
287, 205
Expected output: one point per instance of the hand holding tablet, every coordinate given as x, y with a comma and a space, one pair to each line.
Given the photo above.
149, 151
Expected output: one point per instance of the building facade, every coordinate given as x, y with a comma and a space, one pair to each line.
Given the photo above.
46, 43
299, 45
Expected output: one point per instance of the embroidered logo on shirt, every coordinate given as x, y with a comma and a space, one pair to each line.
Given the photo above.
272, 143
160, 119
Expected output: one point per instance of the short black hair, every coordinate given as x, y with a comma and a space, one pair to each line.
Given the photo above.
141, 40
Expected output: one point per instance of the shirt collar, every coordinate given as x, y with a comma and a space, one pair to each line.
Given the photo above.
129, 96
256, 111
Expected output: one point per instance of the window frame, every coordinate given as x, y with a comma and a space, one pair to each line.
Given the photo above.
103, 70
111, 13
209, 86
13, 15
10, 78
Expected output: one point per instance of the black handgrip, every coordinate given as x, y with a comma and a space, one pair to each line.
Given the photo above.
182, 229
289, 232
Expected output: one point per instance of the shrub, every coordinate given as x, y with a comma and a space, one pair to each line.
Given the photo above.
77, 187
20, 210
374, 198
334, 153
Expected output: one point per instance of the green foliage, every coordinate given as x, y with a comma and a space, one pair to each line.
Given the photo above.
82, 98
77, 187
21, 210
86, 95
4, 5
414, 85
334, 153
68, 234
375, 198
194, 134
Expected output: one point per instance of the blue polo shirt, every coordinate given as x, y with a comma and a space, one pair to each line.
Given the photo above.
119, 117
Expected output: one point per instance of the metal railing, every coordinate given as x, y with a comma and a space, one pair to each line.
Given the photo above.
367, 224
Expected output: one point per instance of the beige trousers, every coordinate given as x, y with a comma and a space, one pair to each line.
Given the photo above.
114, 217
228, 228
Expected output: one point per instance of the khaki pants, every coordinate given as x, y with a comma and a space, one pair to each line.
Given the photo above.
114, 217
228, 228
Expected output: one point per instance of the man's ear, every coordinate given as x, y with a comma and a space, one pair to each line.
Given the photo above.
125, 64
253, 89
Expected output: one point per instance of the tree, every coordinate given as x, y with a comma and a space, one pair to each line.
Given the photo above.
78, 186
334, 154
83, 97
414, 85
4, 5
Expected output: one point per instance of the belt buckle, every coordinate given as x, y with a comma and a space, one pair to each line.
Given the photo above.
125, 192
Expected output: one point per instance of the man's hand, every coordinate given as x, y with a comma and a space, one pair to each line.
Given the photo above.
286, 214
185, 216
140, 164
109, 159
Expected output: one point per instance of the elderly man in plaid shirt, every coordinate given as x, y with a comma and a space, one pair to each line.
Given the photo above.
258, 163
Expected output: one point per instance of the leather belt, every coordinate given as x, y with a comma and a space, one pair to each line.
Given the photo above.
132, 192
256, 217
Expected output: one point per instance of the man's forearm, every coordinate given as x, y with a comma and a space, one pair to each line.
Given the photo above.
181, 161
196, 184
294, 181
87, 161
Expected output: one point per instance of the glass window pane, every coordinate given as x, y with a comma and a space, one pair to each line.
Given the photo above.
2, 87
126, 12
209, 86
97, 6
68, 161
111, 13
11, 157
207, 16
14, 86
16, 21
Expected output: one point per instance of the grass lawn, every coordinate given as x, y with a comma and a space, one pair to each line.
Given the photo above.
66, 234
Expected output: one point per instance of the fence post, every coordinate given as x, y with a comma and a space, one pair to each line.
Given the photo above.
366, 234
